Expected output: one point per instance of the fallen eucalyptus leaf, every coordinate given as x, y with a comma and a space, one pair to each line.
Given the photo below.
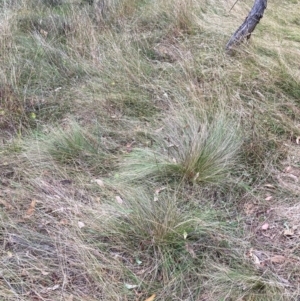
151, 298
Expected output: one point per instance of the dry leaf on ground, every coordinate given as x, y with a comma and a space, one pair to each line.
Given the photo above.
278, 259
288, 232
249, 208
30, 210
151, 298
265, 226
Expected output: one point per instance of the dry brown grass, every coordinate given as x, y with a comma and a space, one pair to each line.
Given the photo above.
105, 114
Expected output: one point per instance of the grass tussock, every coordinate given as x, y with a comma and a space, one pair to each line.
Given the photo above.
154, 233
80, 148
139, 161
193, 148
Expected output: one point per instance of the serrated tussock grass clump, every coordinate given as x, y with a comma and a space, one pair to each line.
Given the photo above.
145, 218
156, 234
85, 149
206, 150
190, 147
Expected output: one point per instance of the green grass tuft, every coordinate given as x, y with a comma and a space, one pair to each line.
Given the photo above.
194, 148
78, 147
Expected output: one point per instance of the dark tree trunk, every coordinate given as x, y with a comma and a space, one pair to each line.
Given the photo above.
245, 30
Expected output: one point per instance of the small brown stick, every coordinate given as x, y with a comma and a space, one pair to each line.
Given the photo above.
245, 30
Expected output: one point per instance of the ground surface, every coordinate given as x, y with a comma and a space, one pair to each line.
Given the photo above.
139, 161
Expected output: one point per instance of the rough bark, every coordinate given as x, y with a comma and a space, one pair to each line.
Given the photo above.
245, 30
